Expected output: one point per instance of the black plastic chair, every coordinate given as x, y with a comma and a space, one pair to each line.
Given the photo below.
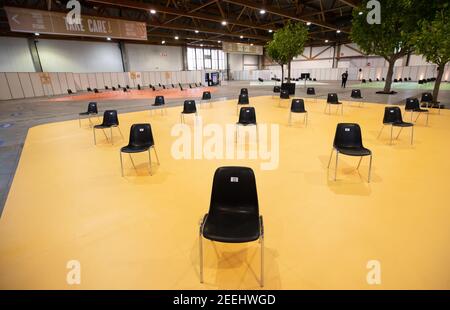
247, 117
393, 117
233, 215
356, 94
243, 99
412, 105
206, 97
348, 141
333, 99
298, 106
260, 80
311, 91
159, 102
141, 140
188, 108
284, 95
244, 91
91, 110
113, 88
110, 120
69, 91
426, 100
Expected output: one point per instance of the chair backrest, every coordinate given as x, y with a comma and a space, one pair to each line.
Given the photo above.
332, 98
159, 100
427, 97
276, 89
243, 99
298, 105
247, 115
206, 95
92, 108
310, 91
356, 93
110, 118
244, 91
347, 135
141, 135
234, 191
284, 94
412, 104
189, 106
392, 115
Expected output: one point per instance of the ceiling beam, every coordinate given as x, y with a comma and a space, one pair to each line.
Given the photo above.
351, 3
168, 10
281, 12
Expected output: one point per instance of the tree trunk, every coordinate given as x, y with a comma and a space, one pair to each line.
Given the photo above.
289, 72
282, 74
437, 84
390, 73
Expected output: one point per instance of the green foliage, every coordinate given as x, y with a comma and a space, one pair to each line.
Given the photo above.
391, 39
433, 37
287, 43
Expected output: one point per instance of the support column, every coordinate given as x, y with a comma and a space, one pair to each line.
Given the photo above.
35, 54
123, 54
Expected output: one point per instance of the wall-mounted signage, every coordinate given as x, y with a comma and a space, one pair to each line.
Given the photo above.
241, 48
28, 20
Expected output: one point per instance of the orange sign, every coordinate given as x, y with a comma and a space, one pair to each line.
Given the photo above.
27, 20
45, 78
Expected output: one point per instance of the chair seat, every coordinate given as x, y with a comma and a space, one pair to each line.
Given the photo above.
245, 124
334, 102
87, 113
421, 110
157, 104
354, 151
357, 98
232, 227
189, 112
403, 124
104, 126
135, 149
304, 111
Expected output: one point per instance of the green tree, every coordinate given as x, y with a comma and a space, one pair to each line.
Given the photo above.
433, 41
287, 43
392, 38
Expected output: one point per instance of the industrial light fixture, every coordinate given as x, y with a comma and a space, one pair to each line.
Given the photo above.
152, 11
224, 23
251, 44
201, 45
163, 42
262, 12
219, 41
326, 41
241, 37
270, 30
360, 13
37, 34
176, 37
338, 31
196, 31
308, 24
108, 38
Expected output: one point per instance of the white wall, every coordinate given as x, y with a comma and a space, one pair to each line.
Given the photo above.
78, 56
15, 55
236, 62
154, 57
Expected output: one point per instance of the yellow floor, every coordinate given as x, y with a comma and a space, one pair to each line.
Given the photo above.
68, 201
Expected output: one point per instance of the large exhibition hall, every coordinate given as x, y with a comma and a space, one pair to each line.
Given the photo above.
224, 145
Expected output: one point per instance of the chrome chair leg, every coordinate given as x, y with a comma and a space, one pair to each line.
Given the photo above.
331, 156
79, 122
200, 248
121, 163
412, 134
335, 168
120, 131
379, 134
95, 140
392, 128
132, 161
290, 118
306, 119
257, 134
156, 154
370, 169
112, 138
401, 128
359, 163
262, 260
150, 162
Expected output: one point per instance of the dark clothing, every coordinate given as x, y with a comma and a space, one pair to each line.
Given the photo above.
344, 79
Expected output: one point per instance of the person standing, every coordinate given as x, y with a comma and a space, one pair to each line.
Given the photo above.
344, 79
